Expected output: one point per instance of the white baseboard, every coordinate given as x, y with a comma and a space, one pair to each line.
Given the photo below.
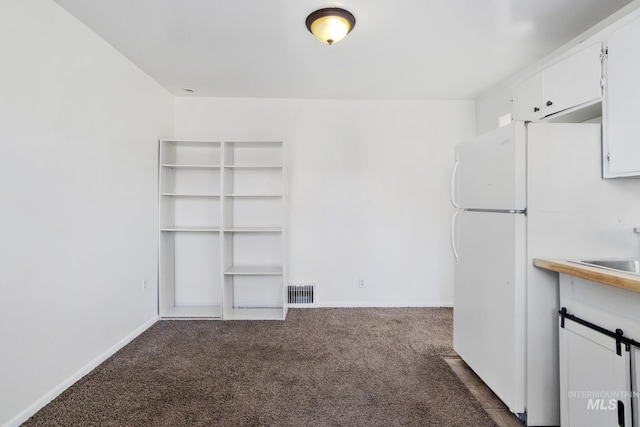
48, 397
360, 304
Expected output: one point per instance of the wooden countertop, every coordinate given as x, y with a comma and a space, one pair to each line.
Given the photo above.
630, 282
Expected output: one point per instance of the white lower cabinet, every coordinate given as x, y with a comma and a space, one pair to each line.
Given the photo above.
596, 387
222, 230
598, 354
635, 383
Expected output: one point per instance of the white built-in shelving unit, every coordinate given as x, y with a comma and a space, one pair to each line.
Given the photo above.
222, 230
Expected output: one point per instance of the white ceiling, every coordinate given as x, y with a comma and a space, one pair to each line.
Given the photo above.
399, 49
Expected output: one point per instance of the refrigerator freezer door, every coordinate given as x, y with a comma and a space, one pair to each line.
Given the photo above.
490, 171
489, 301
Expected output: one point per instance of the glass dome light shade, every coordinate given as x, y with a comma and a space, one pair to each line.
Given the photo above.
330, 25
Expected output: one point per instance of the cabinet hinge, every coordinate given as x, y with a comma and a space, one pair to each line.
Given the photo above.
601, 82
604, 54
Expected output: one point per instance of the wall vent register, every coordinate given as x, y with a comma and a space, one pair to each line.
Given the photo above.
301, 295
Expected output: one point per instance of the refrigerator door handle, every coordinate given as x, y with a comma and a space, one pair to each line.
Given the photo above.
453, 183
453, 235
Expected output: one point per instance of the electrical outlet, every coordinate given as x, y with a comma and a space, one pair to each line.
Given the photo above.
361, 283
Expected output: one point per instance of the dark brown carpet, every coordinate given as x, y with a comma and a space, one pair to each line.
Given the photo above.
321, 367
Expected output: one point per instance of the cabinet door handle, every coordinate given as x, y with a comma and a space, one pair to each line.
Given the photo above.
621, 414
549, 103
536, 109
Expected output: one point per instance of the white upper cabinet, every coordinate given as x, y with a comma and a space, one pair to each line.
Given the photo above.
621, 108
574, 81
571, 82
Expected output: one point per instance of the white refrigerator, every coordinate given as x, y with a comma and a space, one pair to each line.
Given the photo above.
521, 192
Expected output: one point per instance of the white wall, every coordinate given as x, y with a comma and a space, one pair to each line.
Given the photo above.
492, 105
78, 131
368, 189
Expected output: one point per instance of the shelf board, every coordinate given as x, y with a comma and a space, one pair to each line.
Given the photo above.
192, 141
274, 270
176, 166
192, 312
192, 229
254, 144
254, 314
189, 195
253, 166
253, 229
253, 195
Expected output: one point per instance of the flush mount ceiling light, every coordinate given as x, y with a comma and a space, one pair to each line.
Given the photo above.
330, 25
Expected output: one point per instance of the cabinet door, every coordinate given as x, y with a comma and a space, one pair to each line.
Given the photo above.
621, 96
635, 383
527, 100
573, 81
595, 382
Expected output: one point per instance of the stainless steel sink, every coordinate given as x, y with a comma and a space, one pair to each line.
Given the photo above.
626, 265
